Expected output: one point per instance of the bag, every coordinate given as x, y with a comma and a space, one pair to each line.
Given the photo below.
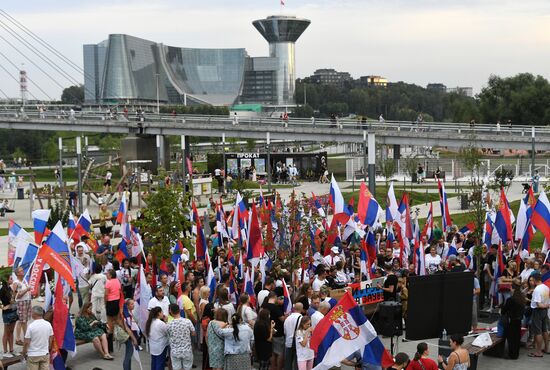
120, 335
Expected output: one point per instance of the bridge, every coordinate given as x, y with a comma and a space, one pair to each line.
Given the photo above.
323, 130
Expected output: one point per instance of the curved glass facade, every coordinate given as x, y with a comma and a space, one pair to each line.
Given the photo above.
129, 70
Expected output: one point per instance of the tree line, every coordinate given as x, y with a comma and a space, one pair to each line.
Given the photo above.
522, 99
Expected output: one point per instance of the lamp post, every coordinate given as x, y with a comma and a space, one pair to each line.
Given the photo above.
159, 155
223, 154
158, 94
372, 162
268, 141
79, 169
183, 160
532, 152
60, 145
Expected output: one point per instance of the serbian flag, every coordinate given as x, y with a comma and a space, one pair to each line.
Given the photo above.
210, 278
503, 220
200, 248
255, 246
335, 198
61, 324
287, 303
470, 227
318, 205
541, 215
248, 286
55, 252
342, 331
405, 217
40, 219
429, 226
445, 213
368, 208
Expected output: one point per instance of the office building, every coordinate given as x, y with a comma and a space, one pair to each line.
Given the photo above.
467, 91
128, 70
373, 81
329, 76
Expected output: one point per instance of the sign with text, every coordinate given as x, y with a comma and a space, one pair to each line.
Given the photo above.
367, 292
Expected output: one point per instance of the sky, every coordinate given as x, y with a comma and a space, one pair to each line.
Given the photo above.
454, 42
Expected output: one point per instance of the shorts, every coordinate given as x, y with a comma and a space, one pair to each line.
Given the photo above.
182, 363
112, 308
278, 345
107, 183
539, 321
24, 310
9, 317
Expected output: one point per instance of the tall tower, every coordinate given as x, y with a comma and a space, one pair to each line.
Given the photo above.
281, 32
23, 86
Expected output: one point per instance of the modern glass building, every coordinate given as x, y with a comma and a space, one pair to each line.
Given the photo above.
128, 70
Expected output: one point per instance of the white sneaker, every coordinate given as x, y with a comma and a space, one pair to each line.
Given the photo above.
7, 355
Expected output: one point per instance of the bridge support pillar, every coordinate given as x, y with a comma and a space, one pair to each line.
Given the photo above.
397, 152
372, 162
144, 148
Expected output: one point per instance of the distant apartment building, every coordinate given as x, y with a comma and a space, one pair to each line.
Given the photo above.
467, 91
329, 76
372, 81
437, 87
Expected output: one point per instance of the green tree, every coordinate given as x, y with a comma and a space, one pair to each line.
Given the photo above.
164, 220
411, 165
387, 167
73, 95
524, 99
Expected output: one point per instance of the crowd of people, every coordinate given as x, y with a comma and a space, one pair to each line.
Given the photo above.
233, 327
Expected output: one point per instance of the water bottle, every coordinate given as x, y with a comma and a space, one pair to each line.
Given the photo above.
444, 335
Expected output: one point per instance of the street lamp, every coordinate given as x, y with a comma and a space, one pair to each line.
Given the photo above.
79, 169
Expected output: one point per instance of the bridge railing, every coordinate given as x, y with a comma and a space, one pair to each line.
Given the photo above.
322, 123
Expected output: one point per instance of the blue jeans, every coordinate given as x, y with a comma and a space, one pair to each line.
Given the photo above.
127, 363
159, 362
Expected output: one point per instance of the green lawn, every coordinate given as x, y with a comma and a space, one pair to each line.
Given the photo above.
415, 197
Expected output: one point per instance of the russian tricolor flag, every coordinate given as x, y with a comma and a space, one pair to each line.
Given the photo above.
84, 224
368, 208
335, 198
342, 331
40, 219
71, 226
488, 232
55, 253
541, 215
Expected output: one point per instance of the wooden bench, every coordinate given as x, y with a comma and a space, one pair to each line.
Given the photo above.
496, 349
11, 361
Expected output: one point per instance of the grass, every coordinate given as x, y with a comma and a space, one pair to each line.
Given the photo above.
415, 197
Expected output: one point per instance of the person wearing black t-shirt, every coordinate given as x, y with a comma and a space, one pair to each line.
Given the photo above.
277, 315
390, 285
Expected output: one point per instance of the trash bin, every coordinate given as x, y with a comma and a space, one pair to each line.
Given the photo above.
20, 193
464, 202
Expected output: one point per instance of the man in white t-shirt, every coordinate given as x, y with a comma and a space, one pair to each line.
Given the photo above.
324, 308
268, 286
290, 325
319, 280
38, 341
527, 270
540, 302
159, 300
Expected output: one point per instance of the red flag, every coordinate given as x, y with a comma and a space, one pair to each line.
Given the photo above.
61, 312
255, 246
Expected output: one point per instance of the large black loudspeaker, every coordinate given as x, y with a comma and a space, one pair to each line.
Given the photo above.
437, 302
390, 321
